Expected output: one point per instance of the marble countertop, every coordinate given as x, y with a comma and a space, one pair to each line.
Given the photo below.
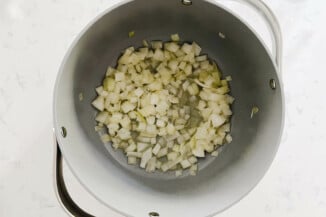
34, 36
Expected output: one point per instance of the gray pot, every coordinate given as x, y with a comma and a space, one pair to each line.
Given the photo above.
222, 181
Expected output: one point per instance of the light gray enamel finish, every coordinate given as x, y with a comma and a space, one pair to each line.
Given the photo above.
222, 182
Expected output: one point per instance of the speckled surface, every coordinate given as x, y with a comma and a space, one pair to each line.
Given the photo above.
34, 36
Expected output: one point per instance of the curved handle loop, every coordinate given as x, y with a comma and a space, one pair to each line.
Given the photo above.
71, 208
273, 26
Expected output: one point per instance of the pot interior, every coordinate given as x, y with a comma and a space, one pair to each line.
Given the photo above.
221, 181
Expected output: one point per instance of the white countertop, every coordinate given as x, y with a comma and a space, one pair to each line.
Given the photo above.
34, 36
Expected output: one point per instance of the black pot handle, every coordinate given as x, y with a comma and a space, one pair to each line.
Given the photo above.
71, 208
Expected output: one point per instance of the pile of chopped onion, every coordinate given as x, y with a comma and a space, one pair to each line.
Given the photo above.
165, 105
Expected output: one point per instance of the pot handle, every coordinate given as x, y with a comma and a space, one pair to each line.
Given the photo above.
71, 208
273, 26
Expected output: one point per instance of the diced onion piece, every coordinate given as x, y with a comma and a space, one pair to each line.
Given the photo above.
105, 138
132, 160
119, 76
173, 65
98, 128
145, 43
162, 132
158, 55
99, 90
201, 132
214, 153
131, 34
172, 156
127, 107
197, 48
124, 134
80, 96
154, 99
162, 152
185, 164
193, 170
170, 129
109, 71
172, 47
228, 138
178, 173
156, 85
130, 148
217, 120
144, 139
157, 44
160, 123
147, 155
175, 37
115, 117
102, 116
138, 92
192, 160
193, 89
188, 69
201, 84
182, 65
108, 84
166, 105
165, 167
134, 154
141, 146
201, 58
125, 122
113, 128
150, 120
156, 149
185, 85
198, 151
221, 35
254, 111
187, 48
98, 103
151, 165
151, 129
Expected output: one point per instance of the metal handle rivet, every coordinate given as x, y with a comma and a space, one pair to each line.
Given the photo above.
153, 214
186, 2
63, 132
272, 84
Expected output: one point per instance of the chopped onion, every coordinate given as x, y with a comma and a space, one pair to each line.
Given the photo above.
131, 34
185, 164
134, 154
178, 173
156, 149
141, 146
147, 155
254, 111
175, 37
101, 117
172, 47
165, 106
132, 160
105, 138
124, 134
98, 103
